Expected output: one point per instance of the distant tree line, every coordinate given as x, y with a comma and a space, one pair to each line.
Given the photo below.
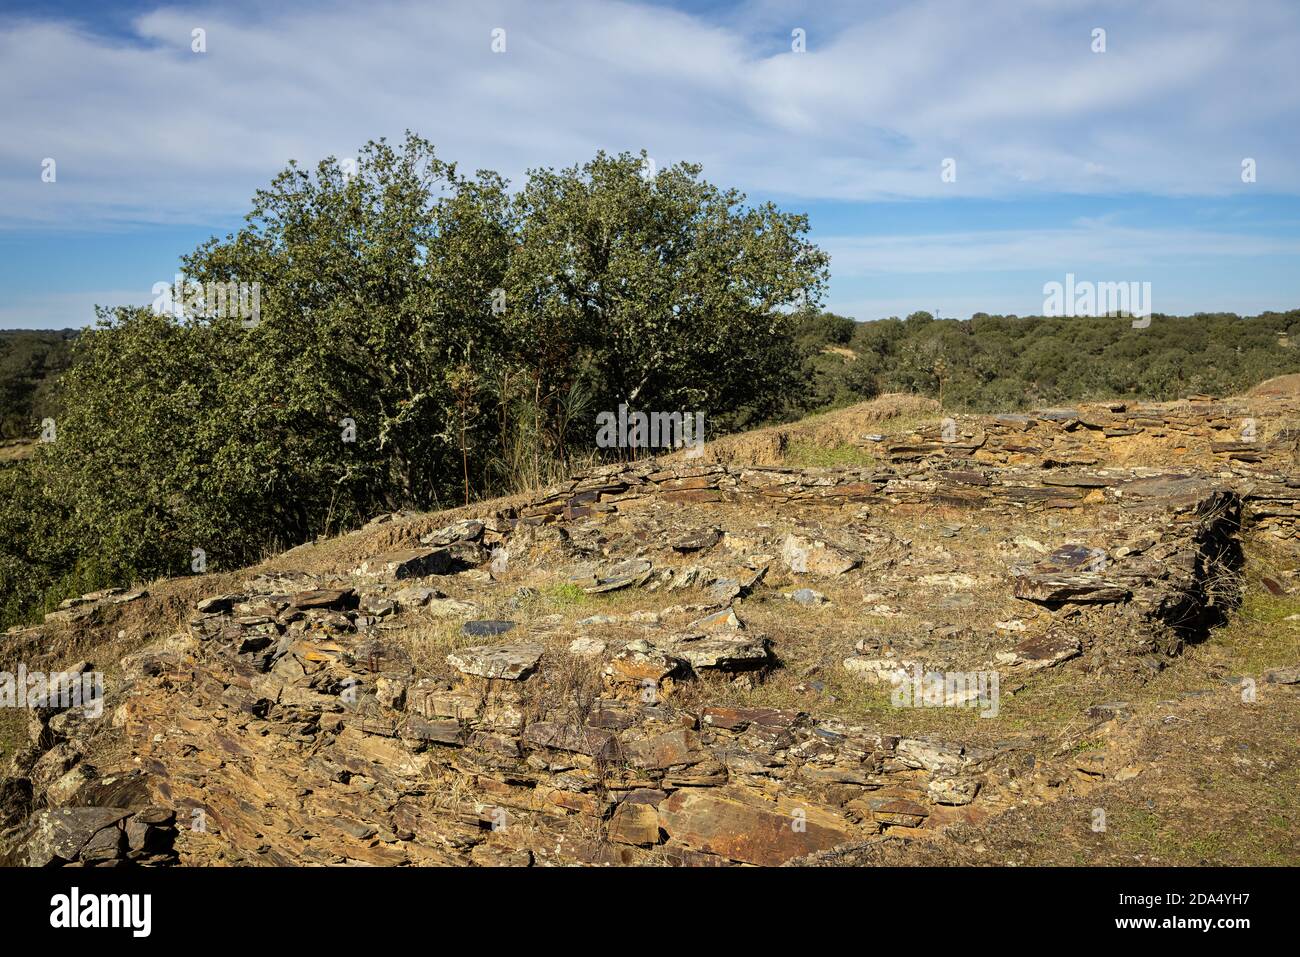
30, 364
1000, 363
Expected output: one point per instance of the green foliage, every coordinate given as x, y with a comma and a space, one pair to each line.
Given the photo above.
828, 375
30, 364
566, 594
468, 336
1000, 363
817, 330
661, 292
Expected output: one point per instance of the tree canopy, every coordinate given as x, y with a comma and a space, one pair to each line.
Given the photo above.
421, 336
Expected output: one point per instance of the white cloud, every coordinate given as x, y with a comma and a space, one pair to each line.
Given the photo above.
148, 131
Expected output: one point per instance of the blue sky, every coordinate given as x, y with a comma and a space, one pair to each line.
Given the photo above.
1117, 165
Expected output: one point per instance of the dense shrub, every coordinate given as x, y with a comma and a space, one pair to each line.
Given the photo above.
421, 338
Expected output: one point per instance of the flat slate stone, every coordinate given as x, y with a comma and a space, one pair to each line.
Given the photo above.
409, 563
634, 823
724, 590
697, 541
1170, 487
724, 620
467, 531
593, 742
965, 478
441, 731
338, 599
1045, 651
1283, 676
1074, 559
1020, 422
510, 662
814, 557
60, 834
635, 571
1052, 589
1058, 415
746, 831
723, 652
739, 719
1080, 481
807, 596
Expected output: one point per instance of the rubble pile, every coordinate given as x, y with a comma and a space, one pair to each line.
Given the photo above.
378, 714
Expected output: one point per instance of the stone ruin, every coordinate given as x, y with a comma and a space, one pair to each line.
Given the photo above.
287, 725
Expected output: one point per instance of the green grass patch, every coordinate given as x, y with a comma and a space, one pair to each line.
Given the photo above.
803, 454
1258, 636
566, 595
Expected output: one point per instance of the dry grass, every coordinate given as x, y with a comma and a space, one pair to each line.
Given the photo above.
428, 641
1214, 778
13, 733
1283, 385
15, 450
802, 454
1217, 783
838, 429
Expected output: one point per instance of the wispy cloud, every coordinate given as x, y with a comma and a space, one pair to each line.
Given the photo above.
144, 130
1146, 139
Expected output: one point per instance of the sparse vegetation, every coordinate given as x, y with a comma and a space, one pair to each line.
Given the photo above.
810, 455
565, 594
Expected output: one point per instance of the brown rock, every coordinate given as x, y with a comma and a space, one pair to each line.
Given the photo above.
815, 557
643, 665
447, 731
1044, 651
599, 744
634, 823
750, 832
723, 652
897, 810
739, 719
409, 563
664, 751
336, 599
1051, 589
59, 835
510, 662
